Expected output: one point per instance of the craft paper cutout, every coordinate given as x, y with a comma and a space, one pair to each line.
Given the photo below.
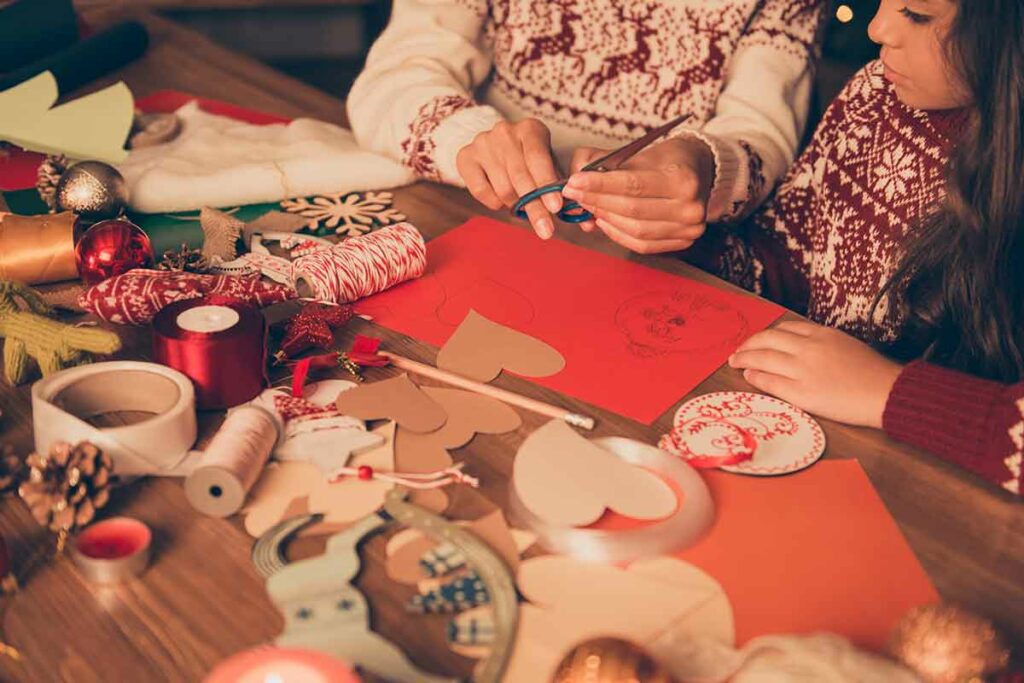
395, 399
347, 213
279, 485
91, 127
566, 479
634, 339
573, 601
405, 548
352, 498
480, 349
468, 414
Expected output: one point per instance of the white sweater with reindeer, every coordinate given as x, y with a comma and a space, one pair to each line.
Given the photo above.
598, 73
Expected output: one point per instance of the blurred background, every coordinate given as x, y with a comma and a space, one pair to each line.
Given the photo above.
324, 42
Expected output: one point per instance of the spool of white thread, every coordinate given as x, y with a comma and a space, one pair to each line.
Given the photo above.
233, 461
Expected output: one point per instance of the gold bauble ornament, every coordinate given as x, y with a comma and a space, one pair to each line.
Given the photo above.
609, 660
944, 643
92, 189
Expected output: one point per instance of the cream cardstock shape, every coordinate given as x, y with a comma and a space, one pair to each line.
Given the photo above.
573, 601
94, 126
480, 349
397, 399
404, 549
281, 484
566, 479
351, 498
63, 402
468, 414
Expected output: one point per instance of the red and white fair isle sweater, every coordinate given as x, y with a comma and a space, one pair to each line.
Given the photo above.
598, 73
830, 238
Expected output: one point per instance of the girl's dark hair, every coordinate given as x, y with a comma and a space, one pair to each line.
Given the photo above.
960, 284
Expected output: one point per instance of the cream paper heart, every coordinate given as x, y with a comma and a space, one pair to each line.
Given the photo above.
566, 479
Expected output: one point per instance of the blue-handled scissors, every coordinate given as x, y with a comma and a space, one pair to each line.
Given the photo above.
572, 212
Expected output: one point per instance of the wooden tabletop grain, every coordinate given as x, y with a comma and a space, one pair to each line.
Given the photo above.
201, 600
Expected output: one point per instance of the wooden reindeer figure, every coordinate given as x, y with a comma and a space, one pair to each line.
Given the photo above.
29, 334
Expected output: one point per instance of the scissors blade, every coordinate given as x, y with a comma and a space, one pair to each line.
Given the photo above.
616, 158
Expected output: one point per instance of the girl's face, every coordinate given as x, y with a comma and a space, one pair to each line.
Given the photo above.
912, 34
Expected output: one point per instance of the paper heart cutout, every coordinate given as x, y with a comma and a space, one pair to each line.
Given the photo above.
404, 549
572, 601
468, 414
567, 480
395, 399
278, 486
480, 349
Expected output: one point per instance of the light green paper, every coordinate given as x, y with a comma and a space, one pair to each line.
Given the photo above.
91, 127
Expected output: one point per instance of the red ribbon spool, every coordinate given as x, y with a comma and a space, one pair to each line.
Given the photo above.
219, 343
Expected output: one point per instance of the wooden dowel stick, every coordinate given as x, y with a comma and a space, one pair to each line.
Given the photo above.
503, 395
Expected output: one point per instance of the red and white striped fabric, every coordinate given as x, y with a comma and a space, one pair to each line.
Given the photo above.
361, 266
135, 297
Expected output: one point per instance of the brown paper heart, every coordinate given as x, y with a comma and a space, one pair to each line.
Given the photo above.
405, 548
468, 414
395, 399
566, 479
480, 349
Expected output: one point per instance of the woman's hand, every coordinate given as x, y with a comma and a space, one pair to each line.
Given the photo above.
508, 161
656, 202
821, 370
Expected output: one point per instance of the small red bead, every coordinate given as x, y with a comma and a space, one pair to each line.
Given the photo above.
365, 472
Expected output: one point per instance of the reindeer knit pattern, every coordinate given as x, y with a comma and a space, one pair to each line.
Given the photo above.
598, 73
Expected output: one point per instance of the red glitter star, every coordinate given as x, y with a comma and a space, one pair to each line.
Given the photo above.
313, 327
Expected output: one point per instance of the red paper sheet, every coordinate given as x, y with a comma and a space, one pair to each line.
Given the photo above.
635, 339
18, 167
812, 551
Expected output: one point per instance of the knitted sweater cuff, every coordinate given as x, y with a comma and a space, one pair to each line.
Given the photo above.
946, 412
729, 193
454, 133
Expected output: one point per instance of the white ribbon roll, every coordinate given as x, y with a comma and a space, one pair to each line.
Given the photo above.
64, 402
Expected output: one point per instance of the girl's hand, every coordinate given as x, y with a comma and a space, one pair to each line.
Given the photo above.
656, 202
822, 370
508, 161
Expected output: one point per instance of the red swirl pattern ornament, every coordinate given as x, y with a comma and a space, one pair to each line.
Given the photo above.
361, 266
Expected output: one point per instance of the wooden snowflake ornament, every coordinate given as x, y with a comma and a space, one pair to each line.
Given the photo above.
351, 214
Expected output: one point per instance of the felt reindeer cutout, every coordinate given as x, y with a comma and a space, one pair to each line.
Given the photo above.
28, 334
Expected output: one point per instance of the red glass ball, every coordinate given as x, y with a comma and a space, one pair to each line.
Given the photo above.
365, 472
110, 248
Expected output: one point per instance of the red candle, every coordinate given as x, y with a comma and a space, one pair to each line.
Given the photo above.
282, 665
112, 550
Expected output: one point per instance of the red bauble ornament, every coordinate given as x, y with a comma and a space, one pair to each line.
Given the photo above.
110, 248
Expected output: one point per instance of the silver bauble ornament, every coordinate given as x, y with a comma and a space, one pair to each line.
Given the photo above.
92, 189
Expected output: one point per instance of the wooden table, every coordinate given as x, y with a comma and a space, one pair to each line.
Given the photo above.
201, 599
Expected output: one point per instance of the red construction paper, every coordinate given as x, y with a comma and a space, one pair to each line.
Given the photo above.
635, 339
811, 551
18, 167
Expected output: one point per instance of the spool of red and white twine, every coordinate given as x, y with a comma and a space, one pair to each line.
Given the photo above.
361, 266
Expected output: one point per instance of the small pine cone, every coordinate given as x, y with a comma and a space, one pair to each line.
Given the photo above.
184, 259
12, 468
48, 176
66, 487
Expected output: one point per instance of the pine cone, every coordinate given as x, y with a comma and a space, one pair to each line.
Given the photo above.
48, 176
12, 468
66, 487
184, 259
